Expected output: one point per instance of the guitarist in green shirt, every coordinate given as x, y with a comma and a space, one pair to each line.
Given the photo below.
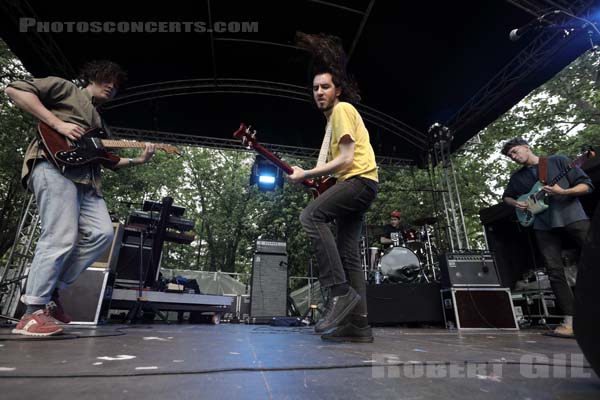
75, 224
563, 214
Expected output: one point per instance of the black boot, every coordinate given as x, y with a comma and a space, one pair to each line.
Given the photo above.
337, 309
350, 332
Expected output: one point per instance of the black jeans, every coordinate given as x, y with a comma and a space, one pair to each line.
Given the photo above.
550, 245
339, 260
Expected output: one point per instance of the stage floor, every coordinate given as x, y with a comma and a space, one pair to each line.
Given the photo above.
230, 361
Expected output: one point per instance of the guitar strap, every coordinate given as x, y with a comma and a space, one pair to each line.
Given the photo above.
543, 170
324, 152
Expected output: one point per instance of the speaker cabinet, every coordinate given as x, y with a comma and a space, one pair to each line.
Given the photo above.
268, 295
390, 304
468, 270
128, 264
87, 301
478, 308
108, 260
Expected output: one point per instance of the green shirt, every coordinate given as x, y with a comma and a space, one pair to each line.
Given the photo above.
69, 104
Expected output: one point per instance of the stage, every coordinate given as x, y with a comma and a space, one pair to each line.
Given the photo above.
264, 362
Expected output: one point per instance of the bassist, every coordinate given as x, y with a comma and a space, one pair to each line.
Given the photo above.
564, 213
76, 227
350, 158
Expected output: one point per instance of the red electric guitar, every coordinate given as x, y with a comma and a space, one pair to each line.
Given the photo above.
316, 186
89, 149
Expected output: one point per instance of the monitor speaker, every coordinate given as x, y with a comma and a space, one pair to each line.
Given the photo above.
87, 301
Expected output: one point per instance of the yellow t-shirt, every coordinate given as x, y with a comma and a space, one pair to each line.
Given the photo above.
345, 120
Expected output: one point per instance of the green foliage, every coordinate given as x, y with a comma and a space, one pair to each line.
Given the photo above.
213, 185
15, 133
561, 116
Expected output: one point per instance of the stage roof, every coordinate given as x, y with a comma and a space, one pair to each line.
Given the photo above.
416, 63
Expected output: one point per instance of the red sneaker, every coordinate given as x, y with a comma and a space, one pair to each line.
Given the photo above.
56, 309
37, 324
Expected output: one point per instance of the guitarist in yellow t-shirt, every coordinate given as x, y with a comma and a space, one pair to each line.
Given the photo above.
349, 157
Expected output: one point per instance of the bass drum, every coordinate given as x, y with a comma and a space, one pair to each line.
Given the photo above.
400, 265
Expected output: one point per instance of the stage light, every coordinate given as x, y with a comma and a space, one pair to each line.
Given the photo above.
265, 175
266, 179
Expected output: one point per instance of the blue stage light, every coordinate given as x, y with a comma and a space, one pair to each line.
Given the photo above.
266, 179
265, 175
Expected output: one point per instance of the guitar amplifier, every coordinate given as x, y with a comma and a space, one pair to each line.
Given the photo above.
268, 294
476, 269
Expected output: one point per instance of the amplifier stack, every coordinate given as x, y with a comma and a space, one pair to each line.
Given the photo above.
472, 296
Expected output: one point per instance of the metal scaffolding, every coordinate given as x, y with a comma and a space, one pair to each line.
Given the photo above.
12, 279
527, 62
234, 144
446, 191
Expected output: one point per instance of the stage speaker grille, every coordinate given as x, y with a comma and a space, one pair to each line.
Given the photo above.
268, 294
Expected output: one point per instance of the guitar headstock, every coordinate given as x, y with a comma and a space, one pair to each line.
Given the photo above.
587, 153
246, 135
169, 149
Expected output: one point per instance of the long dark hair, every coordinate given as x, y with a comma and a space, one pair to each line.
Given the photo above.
327, 56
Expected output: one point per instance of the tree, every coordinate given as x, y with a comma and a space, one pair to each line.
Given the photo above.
15, 132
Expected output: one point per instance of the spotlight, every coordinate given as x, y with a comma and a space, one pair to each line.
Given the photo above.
265, 175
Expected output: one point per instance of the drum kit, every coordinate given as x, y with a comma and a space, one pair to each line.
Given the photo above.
413, 257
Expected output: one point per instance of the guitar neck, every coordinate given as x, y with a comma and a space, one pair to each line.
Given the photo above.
578, 161
115, 144
273, 158
310, 183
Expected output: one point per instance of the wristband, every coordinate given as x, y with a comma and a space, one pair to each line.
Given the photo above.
130, 161
306, 175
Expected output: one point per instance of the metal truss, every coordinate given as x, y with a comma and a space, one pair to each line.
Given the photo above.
12, 279
446, 190
537, 53
232, 144
265, 88
539, 7
41, 43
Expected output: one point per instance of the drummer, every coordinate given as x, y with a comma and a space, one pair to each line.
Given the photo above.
392, 233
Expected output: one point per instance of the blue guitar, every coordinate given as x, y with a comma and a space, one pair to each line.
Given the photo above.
536, 197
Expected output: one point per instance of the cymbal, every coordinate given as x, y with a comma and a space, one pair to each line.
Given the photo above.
425, 221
